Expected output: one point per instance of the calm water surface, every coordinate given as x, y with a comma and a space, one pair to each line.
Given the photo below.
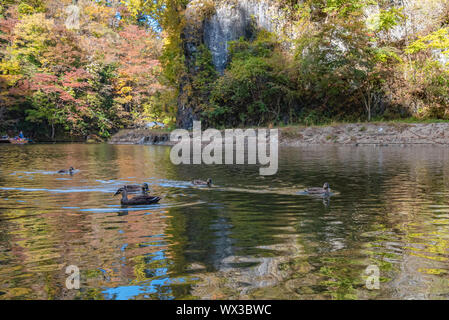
248, 237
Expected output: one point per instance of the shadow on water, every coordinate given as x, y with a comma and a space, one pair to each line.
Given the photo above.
248, 236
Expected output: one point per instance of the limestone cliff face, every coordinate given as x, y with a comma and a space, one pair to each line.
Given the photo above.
233, 20
214, 23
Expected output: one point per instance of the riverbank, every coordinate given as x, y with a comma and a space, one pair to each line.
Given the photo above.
141, 136
387, 133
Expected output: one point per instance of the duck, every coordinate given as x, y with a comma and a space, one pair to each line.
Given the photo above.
325, 190
135, 188
208, 182
137, 200
70, 171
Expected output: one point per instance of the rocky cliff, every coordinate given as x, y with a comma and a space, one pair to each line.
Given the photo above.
230, 20
236, 19
214, 23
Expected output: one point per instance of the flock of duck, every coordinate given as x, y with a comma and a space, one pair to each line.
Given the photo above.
143, 190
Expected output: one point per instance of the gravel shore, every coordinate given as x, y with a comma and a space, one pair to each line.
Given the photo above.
368, 134
345, 134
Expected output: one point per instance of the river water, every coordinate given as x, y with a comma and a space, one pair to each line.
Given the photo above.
247, 237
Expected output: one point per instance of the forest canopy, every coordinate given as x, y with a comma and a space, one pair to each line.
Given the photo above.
76, 72
76, 68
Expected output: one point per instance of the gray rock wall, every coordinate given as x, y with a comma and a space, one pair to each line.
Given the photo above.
235, 19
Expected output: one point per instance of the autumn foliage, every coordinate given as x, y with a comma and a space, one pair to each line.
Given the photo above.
95, 78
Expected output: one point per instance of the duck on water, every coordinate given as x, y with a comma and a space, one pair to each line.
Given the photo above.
324, 191
208, 182
137, 200
70, 171
135, 188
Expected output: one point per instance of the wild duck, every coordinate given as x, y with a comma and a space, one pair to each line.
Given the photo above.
135, 188
70, 171
137, 200
208, 182
325, 190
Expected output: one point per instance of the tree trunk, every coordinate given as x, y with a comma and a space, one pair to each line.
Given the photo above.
52, 131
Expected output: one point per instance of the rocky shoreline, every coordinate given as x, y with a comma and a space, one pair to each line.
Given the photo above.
340, 134
369, 134
141, 136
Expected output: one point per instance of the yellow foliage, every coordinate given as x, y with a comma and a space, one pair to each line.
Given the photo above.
10, 67
125, 90
31, 36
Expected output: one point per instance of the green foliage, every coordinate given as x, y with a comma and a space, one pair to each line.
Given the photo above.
427, 78
335, 66
386, 19
206, 73
162, 107
172, 57
430, 85
45, 110
255, 88
342, 7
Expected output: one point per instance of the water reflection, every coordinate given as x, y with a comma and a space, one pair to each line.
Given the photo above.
247, 237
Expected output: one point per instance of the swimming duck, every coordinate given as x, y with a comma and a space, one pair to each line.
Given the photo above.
325, 190
137, 200
70, 171
135, 188
208, 182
